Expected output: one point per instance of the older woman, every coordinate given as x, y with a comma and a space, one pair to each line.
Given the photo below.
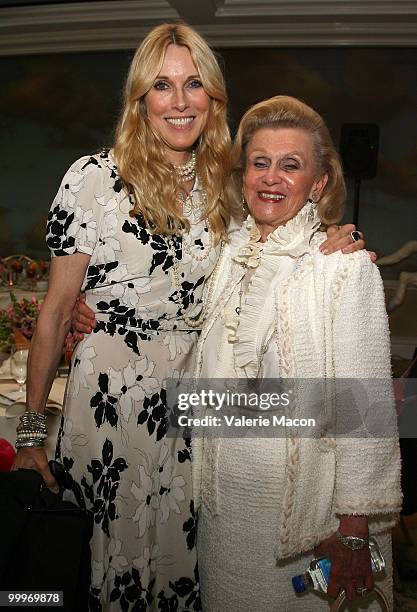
280, 309
138, 228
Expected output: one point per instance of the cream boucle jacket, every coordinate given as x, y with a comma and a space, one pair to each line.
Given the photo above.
305, 315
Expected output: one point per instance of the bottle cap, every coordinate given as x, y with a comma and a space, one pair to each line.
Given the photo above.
299, 584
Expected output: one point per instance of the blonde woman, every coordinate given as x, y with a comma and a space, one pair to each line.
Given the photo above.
138, 228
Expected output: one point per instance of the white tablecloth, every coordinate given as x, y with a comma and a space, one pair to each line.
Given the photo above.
10, 413
19, 293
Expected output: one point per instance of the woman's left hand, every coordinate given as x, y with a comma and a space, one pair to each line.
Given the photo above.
339, 238
350, 569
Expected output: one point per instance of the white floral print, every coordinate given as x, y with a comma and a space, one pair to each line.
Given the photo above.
112, 564
148, 502
83, 367
171, 486
71, 185
147, 564
131, 292
109, 245
133, 383
178, 344
70, 437
84, 226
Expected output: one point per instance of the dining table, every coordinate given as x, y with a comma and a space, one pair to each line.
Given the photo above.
20, 293
13, 405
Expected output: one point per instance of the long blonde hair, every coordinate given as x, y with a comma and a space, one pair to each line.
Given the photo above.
139, 150
285, 111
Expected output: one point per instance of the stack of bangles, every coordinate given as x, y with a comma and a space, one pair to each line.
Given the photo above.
31, 431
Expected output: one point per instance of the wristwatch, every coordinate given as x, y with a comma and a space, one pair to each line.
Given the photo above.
352, 542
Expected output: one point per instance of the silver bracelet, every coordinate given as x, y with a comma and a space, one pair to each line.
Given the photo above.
28, 444
31, 431
352, 542
29, 416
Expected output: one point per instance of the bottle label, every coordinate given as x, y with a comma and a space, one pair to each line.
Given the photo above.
319, 570
323, 574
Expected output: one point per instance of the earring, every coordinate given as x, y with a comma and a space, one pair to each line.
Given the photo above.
245, 209
312, 205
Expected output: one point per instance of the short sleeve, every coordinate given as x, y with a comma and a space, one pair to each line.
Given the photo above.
75, 215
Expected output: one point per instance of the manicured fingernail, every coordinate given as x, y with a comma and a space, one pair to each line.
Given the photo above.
325, 251
345, 251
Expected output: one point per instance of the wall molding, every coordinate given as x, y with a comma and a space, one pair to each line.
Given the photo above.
110, 25
313, 34
86, 12
249, 8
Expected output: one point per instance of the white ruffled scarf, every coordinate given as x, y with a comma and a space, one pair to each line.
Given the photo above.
291, 240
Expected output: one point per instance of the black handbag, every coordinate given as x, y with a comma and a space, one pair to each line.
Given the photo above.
44, 540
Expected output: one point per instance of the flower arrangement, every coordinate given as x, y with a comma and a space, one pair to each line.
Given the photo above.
20, 316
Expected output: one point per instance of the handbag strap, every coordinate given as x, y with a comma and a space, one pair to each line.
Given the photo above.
341, 599
66, 482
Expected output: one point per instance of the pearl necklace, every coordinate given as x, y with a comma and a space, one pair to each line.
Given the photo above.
194, 323
201, 205
205, 251
186, 172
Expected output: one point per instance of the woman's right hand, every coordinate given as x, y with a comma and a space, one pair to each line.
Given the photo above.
36, 459
83, 319
351, 570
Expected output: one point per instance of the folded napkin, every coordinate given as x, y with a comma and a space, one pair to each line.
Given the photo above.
5, 369
12, 402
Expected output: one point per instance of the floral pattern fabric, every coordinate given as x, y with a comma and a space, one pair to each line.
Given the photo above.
113, 439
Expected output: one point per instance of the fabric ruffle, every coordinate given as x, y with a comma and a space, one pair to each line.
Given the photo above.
290, 240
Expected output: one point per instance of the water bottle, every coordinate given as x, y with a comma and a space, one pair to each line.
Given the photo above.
317, 575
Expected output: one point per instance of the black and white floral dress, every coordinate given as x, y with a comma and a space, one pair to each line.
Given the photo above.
135, 478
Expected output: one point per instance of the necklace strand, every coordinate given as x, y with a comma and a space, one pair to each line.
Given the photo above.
186, 172
194, 323
205, 250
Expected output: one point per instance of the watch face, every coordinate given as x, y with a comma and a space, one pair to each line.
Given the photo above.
355, 545
352, 542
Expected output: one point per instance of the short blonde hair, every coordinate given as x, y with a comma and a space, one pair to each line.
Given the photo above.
139, 151
285, 111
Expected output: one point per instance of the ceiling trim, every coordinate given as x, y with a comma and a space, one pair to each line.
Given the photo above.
109, 25
251, 8
313, 34
256, 35
87, 12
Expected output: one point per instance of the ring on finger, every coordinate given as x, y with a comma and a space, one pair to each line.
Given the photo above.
362, 591
355, 235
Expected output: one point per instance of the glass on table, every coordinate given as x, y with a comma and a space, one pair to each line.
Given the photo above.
18, 367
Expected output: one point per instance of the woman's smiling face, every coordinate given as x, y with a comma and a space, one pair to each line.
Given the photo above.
177, 104
281, 174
